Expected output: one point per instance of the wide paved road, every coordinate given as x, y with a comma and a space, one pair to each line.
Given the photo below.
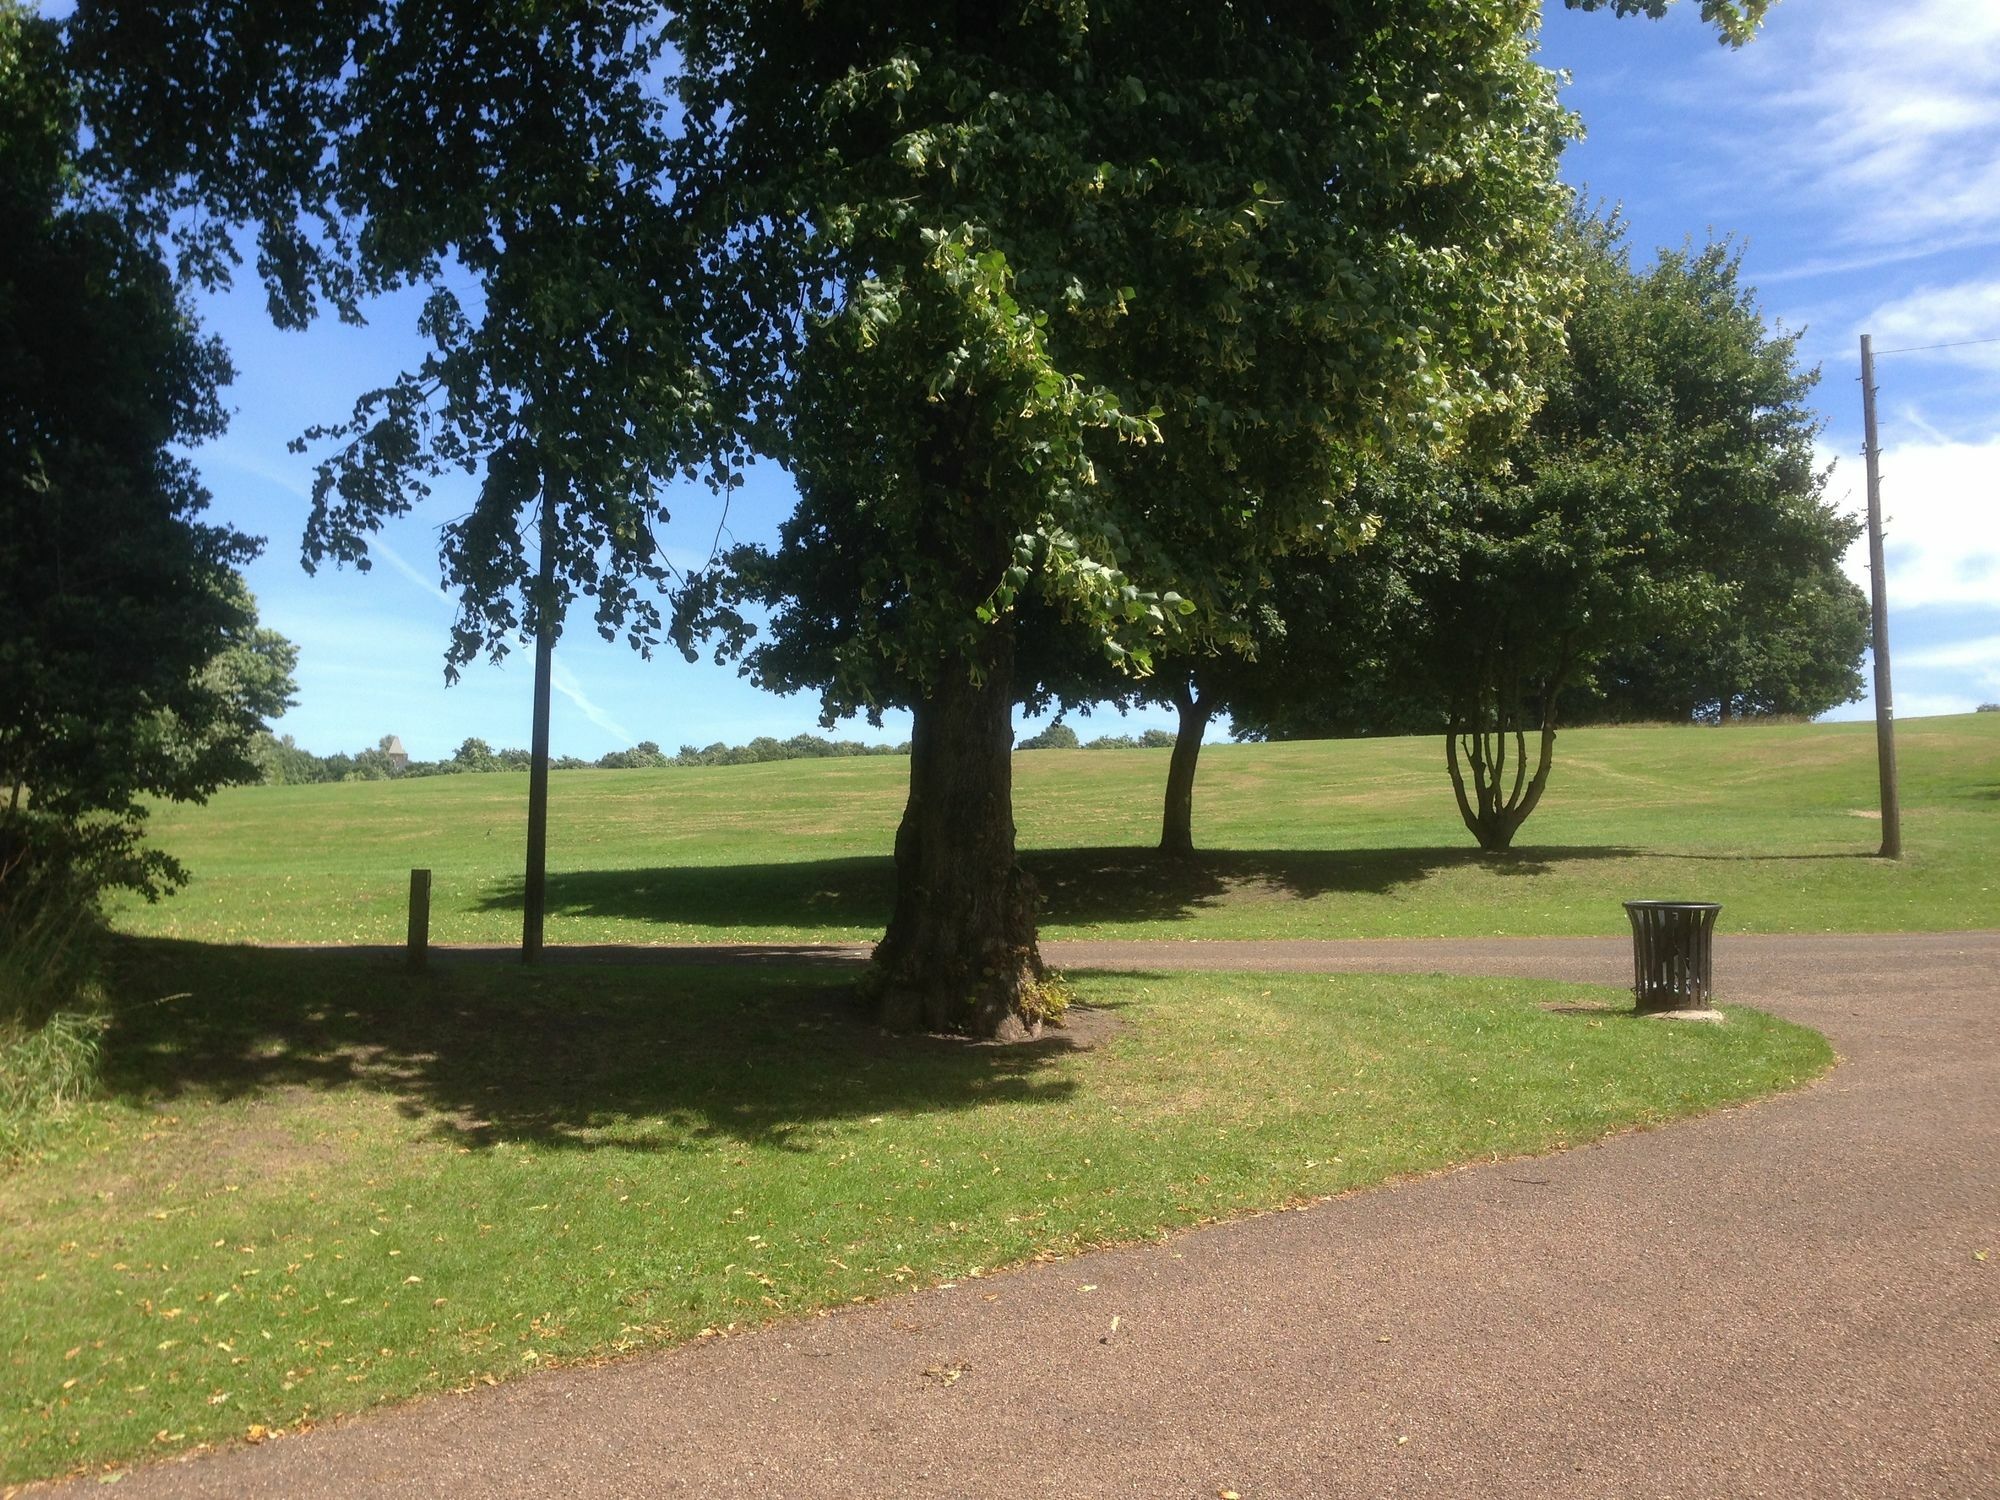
1781, 1300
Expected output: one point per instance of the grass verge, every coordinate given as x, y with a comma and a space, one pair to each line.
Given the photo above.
319, 1185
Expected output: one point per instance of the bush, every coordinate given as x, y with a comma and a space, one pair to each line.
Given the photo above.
51, 1006
1058, 736
1988, 708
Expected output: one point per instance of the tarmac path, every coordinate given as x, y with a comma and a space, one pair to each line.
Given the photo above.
1781, 1300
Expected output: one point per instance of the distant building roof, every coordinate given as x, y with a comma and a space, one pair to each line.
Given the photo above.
395, 747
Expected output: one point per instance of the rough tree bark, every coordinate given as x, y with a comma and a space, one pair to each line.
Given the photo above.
1177, 824
959, 954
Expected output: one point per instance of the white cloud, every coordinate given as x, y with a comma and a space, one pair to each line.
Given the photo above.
1941, 508
1976, 660
1888, 109
1870, 260
561, 678
1927, 705
1934, 315
1980, 653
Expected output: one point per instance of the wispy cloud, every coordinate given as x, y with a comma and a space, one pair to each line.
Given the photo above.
1887, 109
1981, 655
1871, 260
561, 678
379, 548
564, 682
1922, 705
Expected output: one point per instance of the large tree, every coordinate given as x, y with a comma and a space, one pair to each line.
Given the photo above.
1104, 304
1790, 644
513, 161
131, 663
1663, 504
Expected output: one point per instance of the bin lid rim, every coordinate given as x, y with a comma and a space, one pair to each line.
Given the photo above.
1678, 905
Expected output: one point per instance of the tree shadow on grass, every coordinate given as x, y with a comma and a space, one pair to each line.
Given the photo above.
637, 1057
1759, 859
1079, 887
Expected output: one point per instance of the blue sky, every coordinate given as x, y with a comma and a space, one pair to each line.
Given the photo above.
1854, 149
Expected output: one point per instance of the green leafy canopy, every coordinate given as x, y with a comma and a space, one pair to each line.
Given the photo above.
1103, 307
131, 664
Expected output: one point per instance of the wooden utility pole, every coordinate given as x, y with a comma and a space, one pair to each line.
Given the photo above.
1878, 585
534, 885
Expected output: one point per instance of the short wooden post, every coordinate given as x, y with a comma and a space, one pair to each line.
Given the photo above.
420, 919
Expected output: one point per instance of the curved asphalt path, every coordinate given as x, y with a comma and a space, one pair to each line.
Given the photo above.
1775, 1301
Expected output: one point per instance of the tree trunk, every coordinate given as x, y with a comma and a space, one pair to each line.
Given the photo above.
1483, 721
1493, 811
1177, 825
960, 953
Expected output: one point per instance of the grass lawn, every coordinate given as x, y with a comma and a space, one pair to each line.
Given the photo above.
1323, 839
318, 1184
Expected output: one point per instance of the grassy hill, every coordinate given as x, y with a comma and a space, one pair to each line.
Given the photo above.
1323, 839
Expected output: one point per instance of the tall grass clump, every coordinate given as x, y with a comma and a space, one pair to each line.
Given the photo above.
52, 1006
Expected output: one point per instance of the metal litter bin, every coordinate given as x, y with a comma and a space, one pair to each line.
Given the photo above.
1673, 954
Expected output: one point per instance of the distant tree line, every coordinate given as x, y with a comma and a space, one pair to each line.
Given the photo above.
282, 761
1059, 736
